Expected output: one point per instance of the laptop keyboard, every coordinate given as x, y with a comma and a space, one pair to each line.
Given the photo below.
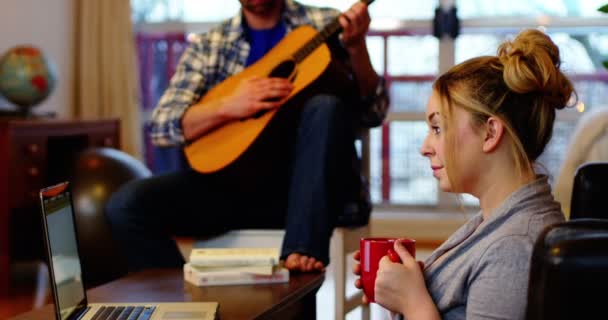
124, 313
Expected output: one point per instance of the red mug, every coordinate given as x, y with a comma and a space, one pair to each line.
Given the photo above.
372, 250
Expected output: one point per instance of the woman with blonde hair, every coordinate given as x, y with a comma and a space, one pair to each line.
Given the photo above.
489, 119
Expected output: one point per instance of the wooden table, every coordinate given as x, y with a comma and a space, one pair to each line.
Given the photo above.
293, 300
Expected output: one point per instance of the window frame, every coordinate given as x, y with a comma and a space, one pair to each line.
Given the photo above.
446, 59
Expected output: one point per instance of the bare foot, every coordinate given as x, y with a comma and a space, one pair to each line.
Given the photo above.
302, 263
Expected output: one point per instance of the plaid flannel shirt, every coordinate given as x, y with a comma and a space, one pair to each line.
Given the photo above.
222, 52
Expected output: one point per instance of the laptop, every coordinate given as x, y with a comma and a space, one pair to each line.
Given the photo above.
65, 271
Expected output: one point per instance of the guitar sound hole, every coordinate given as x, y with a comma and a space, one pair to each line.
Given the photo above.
292, 77
284, 70
259, 114
255, 116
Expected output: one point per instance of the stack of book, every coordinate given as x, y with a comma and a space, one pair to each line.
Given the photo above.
228, 266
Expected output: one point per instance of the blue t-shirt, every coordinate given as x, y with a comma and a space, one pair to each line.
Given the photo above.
263, 40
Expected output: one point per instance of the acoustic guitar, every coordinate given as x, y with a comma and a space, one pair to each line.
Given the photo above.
301, 56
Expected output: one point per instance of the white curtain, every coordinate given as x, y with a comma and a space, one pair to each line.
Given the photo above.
106, 75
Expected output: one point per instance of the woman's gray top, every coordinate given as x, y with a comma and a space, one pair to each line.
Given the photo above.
484, 273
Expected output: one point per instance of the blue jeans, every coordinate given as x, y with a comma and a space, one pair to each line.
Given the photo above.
296, 183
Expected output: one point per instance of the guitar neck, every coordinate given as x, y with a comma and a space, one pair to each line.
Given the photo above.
330, 30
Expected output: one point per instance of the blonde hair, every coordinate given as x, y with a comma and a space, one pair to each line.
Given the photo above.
522, 86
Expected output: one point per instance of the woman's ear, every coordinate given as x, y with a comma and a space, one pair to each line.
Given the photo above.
494, 131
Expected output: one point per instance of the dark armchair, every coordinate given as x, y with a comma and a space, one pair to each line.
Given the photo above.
569, 272
590, 191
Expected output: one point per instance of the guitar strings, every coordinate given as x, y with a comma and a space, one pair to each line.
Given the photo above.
317, 40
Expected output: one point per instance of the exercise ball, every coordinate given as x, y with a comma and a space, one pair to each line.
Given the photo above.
97, 173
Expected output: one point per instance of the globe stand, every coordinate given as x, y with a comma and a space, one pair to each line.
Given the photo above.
10, 114
24, 113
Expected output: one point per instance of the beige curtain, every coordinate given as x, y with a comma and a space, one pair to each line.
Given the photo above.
106, 76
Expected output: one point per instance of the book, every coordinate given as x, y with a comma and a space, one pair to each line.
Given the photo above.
224, 257
226, 276
263, 270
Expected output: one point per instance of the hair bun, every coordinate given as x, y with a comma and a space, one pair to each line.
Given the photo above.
531, 64
531, 61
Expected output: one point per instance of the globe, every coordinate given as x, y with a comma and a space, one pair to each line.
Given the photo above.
26, 77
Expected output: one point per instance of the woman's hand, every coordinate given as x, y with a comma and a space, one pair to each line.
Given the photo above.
400, 287
357, 271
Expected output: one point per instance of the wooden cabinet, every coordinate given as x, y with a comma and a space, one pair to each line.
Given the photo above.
35, 154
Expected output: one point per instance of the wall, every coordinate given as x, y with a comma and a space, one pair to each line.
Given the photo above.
49, 25
428, 228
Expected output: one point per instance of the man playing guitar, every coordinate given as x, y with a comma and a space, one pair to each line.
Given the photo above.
304, 190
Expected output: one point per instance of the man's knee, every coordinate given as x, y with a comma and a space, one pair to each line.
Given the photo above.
324, 109
119, 203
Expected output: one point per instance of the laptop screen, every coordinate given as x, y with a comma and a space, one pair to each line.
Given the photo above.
60, 231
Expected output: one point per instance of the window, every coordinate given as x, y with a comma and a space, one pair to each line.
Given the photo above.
581, 53
404, 51
528, 8
213, 11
